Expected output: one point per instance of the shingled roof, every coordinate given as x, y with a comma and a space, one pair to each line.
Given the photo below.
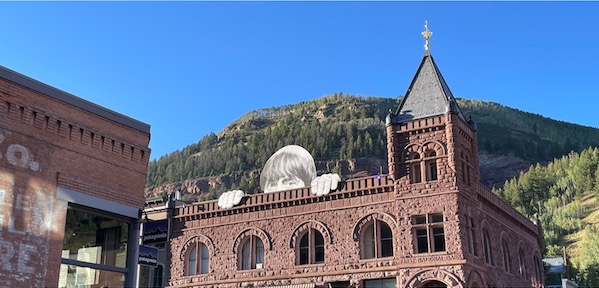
428, 94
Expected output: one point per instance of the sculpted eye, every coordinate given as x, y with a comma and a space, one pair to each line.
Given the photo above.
290, 181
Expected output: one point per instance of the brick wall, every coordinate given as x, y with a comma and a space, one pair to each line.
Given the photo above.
340, 216
46, 143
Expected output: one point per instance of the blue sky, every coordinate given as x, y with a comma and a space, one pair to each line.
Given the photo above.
191, 68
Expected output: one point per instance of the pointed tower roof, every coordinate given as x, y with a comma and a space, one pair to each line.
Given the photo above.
428, 94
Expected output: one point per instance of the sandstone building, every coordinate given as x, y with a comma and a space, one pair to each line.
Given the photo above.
72, 177
428, 223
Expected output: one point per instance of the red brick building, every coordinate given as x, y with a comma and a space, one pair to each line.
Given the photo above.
428, 223
72, 176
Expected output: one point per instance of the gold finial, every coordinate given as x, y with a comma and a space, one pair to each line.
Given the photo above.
426, 34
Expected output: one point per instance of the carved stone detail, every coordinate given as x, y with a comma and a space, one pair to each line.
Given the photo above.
382, 216
311, 224
440, 275
252, 232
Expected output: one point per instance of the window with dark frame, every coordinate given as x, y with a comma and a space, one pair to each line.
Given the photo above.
158, 276
423, 169
311, 248
252, 254
429, 233
431, 166
339, 284
380, 283
377, 240
416, 170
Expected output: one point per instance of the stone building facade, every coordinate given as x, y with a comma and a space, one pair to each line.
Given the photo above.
428, 223
72, 177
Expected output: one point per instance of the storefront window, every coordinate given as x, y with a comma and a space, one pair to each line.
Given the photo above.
95, 239
94, 249
74, 276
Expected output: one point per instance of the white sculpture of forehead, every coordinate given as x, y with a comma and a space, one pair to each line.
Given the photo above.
294, 149
303, 167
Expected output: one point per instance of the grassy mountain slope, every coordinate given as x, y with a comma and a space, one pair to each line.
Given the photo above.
563, 195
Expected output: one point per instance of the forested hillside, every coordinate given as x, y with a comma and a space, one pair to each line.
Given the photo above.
563, 195
343, 127
533, 137
333, 127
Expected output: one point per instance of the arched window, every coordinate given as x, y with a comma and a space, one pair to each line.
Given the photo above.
377, 240
431, 166
434, 284
252, 253
311, 248
422, 162
198, 260
505, 253
487, 249
521, 263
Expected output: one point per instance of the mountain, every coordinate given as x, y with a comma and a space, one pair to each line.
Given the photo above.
346, 134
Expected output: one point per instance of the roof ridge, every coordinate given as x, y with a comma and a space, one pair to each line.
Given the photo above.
428, 93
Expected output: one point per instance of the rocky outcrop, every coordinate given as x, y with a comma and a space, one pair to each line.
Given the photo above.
496, 169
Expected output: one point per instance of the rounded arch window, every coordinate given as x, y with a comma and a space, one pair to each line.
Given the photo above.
376, 240
311, 248
197, 260
252, 253
433, 284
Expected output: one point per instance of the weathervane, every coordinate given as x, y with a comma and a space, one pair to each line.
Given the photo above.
426, 34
